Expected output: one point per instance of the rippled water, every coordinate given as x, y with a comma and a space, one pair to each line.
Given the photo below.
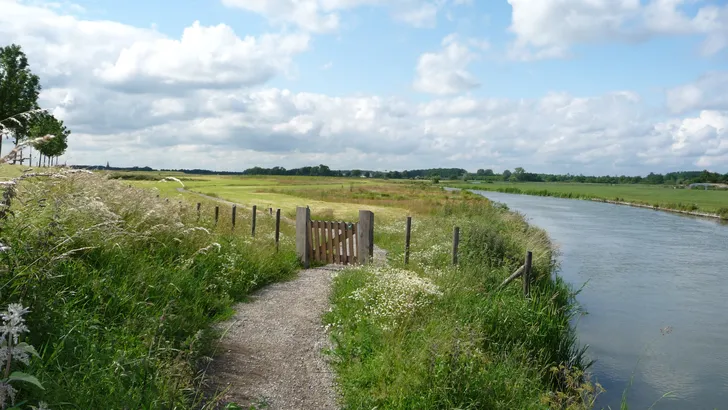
644, 271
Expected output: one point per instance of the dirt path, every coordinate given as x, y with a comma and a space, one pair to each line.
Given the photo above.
271, 356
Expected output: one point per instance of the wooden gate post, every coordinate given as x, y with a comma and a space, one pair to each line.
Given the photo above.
365, 237
278, 226
303, 235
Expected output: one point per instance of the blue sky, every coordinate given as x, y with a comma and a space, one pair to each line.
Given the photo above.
603, 86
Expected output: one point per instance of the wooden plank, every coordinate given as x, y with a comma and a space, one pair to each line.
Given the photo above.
317, 240
329, 242
350, 240
342, 236
513, 276
337, 240
356, 239
310, 243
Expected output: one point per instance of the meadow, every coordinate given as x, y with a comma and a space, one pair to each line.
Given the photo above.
137, 281
663, 196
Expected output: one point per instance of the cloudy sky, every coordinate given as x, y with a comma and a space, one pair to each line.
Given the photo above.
580, 86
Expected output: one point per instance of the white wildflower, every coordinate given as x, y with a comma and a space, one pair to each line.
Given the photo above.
392, 294
13, 322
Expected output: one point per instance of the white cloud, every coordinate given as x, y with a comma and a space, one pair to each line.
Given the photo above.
710, 91
93, 72
323, 16
445, 72
549, 28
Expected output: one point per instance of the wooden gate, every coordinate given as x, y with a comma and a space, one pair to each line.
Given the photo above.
344, 243
333, 242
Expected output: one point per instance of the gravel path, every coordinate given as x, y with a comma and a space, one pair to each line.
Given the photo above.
271, 356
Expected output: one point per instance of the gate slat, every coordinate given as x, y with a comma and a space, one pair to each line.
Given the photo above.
317, 240
335, 230
330, 242
310, 240
350, 237
342, 244
354, 230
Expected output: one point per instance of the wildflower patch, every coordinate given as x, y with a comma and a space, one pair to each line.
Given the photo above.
392, 294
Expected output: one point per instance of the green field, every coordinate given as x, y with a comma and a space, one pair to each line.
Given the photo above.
711, 201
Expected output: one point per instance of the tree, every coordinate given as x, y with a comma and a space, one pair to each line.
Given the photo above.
47, 124
19, 90
489, 173
506, 175
480, 172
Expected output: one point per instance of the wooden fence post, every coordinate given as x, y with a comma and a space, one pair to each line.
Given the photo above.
217, 214
527, 274
303, 234
365, 237
235, 212
199, 205
255, 213
408, 229
455, 243
278, 226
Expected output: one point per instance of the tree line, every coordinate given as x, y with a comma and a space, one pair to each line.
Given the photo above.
21, 118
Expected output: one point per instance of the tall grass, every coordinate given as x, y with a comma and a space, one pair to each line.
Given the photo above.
459, 341
122, 289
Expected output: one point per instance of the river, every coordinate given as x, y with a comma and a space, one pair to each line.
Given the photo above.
656, 292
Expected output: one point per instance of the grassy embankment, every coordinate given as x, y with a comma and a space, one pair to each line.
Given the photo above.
429, 335
656, 196
123, 288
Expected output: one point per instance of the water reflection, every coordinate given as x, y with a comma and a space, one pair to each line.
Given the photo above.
646, 270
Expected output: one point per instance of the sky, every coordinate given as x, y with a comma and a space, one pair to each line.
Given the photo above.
558, 86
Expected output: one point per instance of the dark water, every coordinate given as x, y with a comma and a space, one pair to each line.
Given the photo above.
644, 271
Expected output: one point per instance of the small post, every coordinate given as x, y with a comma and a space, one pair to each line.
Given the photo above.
270, 211
199, 206
365, 239
234, 214
303, 234
252, 228
455, 243
408, 229
217, 214
278, 226
527, 274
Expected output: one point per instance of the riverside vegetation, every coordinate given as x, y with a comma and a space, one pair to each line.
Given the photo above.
429, 335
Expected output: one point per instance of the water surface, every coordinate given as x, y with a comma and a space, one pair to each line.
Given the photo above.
644, 273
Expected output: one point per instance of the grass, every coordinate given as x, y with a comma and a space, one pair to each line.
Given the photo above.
467, 345
136, 285
711, 201
123, 288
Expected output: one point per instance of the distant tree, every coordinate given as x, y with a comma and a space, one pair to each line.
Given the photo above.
46, 124
480, 173
436, 180
489, 173
356, 173
506, 175
19, 90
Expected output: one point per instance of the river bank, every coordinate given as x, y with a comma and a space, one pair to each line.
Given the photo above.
659, 199
653, 286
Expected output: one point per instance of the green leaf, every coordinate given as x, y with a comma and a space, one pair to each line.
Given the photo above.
24, 377
27, 348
